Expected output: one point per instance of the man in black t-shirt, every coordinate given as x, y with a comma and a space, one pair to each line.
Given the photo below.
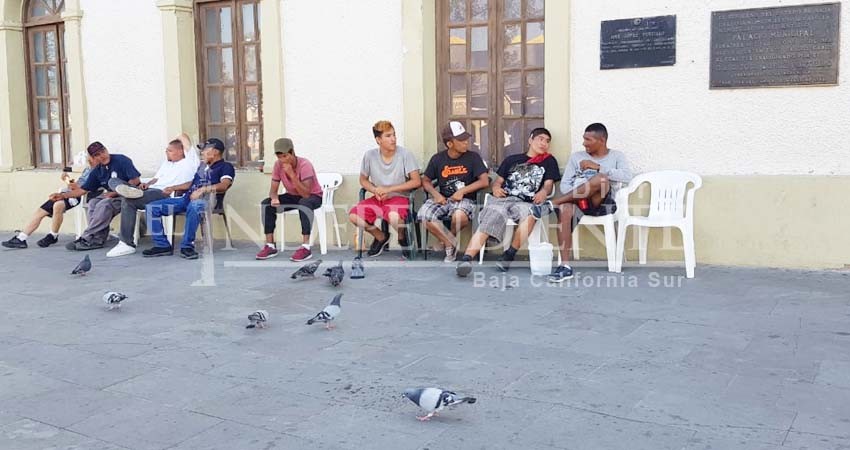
458, 174
523, 180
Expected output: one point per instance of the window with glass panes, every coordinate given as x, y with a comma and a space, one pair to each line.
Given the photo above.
48, 89
229, 77
490, 71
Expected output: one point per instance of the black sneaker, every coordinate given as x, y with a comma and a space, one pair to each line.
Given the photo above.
188, 253
158, 251
73, 244
543, 209
404, 243
464, 267
84, 245
378, 247
504, 262
560, 274
47, 241
15, 243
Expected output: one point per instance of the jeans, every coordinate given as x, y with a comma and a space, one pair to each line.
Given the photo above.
172, 206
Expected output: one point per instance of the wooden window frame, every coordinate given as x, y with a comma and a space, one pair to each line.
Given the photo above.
239, 85
55, 23
495, 24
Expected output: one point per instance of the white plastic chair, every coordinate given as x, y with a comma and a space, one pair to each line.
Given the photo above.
538, 233
608, 226
671, 204
81, 216
330, 182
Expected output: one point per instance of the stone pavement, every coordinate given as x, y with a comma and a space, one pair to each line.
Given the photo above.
733, 359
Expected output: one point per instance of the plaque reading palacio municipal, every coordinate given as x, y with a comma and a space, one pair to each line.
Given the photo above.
785, 46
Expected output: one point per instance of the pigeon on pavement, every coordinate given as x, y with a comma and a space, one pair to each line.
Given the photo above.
328, 314
83, 267
357, 271
335, 274
433, 400
308, 270
258, 319
114, 299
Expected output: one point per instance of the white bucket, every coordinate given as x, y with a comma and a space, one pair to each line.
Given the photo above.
540, 258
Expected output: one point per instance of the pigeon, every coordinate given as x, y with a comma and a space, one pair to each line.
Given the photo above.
335, 274
308, 270
434, 400
258, 319
113, 299
83, 267
357, 271
328, 314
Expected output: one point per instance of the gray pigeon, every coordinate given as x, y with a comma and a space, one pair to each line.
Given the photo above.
328, 314
308, 270
83, 267
357, 271
258, 319
434, 400
335, 274
113, 299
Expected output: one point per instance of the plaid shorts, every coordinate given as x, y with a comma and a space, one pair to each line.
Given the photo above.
432, 212
493, 219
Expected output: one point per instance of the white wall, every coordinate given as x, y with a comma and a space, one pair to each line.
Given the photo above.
342, 73
125, 88
666, 117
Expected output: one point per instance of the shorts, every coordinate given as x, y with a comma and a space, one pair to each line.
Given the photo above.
70, 203
433, 212
373, 209
608, 206
493, 219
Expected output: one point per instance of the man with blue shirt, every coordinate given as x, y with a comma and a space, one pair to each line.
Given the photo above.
215, 178
106, 206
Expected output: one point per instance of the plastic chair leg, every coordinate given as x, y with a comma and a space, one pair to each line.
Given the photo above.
690, 254
576, 254
336, 228
620, 255
611, 246
321, 226
228, 242
643, 239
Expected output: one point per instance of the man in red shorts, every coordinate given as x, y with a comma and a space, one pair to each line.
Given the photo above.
389, 173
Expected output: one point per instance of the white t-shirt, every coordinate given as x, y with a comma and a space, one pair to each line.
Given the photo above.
172, 173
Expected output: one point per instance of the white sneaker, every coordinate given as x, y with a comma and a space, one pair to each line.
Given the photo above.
451, 254
127, 191
121, 249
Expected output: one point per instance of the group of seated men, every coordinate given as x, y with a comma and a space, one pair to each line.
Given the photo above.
112, 185
521, 192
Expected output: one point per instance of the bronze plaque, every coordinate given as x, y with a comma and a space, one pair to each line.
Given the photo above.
639, 42
785, 46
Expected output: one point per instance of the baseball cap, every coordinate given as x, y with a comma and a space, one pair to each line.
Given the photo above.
454, 130
212, 142
283, 145
95, 148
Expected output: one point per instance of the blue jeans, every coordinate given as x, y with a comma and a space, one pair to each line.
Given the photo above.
171, 206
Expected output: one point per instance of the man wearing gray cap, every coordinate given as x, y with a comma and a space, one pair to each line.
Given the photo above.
303, 193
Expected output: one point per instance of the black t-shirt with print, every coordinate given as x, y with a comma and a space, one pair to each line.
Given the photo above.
522, 179
455, 174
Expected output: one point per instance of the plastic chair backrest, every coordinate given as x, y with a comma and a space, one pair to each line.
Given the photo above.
330, 182
670, 197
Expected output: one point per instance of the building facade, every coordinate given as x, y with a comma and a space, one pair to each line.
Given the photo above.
134, 73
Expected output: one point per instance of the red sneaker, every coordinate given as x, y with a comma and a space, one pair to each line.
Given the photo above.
302, 254
267, 252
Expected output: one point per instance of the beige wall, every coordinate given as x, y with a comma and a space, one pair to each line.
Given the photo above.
792, 222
